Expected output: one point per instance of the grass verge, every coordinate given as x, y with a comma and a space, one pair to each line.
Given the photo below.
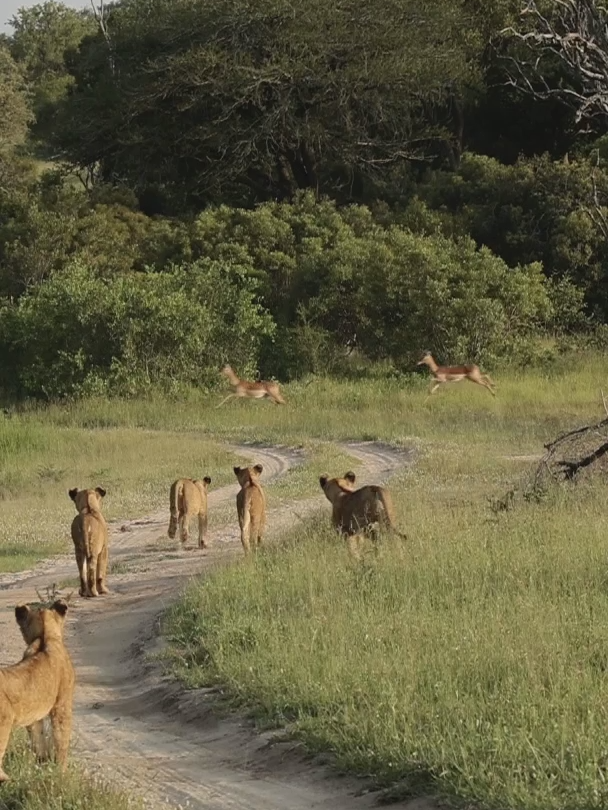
41, 461
43, 787
469, 662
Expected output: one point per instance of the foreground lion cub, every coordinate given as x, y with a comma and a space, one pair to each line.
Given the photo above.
358, 511
40, 684
251, 506
188, 498
90, 536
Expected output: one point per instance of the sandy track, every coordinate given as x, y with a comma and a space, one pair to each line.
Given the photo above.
145, 732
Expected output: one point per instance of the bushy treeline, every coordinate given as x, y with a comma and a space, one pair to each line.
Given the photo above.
231, 183
100, 298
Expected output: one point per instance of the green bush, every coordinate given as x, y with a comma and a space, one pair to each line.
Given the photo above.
77, 333
335, 278
535, 210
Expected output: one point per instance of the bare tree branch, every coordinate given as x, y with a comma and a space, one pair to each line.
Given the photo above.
575, 34
100, 12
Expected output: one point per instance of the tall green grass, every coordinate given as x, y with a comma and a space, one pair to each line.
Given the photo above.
470, 661
43, 787
41, 461
530, 404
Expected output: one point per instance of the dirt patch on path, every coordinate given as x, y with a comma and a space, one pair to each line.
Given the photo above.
142, 730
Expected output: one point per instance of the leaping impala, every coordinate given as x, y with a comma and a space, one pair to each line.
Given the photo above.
444, 374
252, 390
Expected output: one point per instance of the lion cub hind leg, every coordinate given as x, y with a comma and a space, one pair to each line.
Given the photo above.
245, 524
102, 570
184, 527
354, 545
257, 533
81, 562
61, 719
39, 741
92, 574
7, 720
202, 530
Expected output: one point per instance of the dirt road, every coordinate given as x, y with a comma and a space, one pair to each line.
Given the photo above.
143, 731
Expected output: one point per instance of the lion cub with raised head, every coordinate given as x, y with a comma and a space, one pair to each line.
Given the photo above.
251, 506
42, 683
90, 536
188, 498
357, 512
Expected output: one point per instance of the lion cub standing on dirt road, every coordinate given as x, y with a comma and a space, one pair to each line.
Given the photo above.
188, 498
40, 684
251, 506
90, 536
356, 512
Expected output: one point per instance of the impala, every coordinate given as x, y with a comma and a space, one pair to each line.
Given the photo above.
444, 374
253, 390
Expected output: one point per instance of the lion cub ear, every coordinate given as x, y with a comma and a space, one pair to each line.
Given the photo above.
60, 607
236, 471
207, 480
350, 476
72, 493
323, 480
100, 491
259, 469
21, 614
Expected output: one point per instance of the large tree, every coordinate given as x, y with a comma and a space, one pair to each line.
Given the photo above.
44, 37
235, 100
16, 113
562, 52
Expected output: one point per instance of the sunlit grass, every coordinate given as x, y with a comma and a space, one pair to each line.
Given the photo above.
41, 461
34, 786
468, 662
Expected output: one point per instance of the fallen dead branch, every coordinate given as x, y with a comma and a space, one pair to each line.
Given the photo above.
565, 458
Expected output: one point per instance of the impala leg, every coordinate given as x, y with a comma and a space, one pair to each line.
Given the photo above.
434, 386
489, 384
484, 382
225, 400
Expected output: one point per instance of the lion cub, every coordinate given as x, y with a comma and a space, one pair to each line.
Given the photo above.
356, 512
41, 683
90, 536
250, 506
188, 498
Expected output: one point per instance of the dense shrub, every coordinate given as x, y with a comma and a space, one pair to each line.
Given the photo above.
49, 225
77, 333
99, 305
535, 210
334, 278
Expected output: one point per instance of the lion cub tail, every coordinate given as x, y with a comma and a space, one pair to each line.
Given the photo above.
385, 499
177, 490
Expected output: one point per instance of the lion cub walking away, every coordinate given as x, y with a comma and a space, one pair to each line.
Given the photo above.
357, 512
42, 683
188, 498
90, 536
252, 390
251, 506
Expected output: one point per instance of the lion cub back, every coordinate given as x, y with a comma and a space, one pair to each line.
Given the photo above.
42, 682
89, 527
187, 497
357, 510
250, 505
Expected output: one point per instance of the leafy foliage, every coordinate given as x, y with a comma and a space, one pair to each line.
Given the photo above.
536, 210
77, 333
16, 114
250, 102
45, 36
